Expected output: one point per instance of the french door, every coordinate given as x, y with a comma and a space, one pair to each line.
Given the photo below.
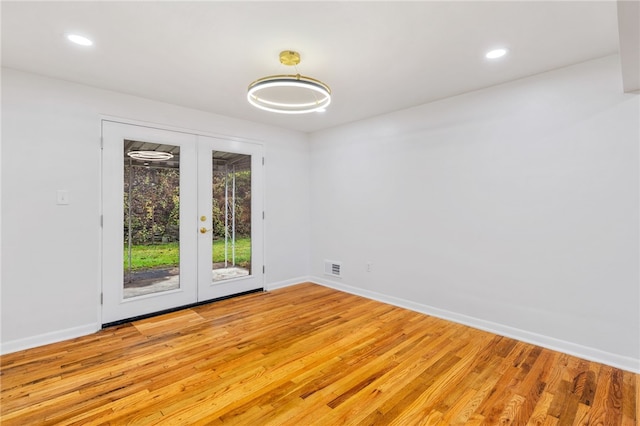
182, 219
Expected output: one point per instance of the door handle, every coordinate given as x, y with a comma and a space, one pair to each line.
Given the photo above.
204, 230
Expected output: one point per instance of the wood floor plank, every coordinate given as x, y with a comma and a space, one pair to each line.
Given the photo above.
539, 415
443, 385
307, 355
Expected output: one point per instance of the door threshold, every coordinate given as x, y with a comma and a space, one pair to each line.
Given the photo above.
178, 308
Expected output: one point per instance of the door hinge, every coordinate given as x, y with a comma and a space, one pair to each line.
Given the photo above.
101, 142
263, 269
263, 215
263, 161
101, 298
101, 221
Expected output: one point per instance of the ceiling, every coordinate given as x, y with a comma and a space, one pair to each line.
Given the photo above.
377, 57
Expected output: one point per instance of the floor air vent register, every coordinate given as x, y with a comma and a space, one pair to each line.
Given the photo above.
332, 268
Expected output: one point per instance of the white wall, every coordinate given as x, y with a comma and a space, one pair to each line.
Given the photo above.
514, 209
51, 253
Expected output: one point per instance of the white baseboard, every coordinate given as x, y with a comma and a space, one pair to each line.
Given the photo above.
592, 354
47, 338
286, 283
585, 352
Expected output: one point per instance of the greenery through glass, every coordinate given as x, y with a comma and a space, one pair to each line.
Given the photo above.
163, 255
152, 210
153, 197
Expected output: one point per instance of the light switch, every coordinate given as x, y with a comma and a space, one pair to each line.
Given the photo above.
63, 197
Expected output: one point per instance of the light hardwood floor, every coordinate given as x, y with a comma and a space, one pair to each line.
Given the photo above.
308, 355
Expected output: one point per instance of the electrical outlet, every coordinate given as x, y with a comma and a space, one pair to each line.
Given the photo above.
369, 266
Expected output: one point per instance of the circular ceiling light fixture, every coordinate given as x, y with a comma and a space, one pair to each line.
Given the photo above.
496, 53
291, 93
150, 155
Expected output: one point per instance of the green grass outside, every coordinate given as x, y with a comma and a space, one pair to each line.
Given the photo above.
166, 255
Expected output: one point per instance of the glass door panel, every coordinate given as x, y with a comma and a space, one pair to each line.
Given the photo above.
230, 203
151, 218
231, 215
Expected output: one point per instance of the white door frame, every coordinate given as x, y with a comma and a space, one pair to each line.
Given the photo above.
193, 286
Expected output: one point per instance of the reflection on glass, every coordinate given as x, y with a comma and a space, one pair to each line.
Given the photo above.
231, 236
151, 218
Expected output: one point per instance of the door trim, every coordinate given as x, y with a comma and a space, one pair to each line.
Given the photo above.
105, 118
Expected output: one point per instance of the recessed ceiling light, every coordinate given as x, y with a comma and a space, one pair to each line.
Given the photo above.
78, 39
496, 53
